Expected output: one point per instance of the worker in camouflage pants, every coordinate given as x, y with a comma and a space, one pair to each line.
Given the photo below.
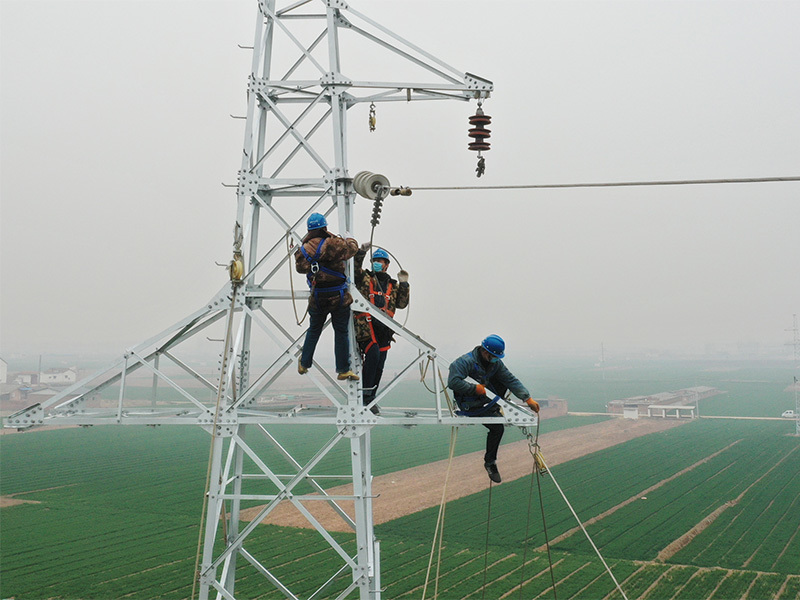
373, 337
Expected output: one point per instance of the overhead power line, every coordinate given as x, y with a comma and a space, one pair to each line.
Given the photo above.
541, 186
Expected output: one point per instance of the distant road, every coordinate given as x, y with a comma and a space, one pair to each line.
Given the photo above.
411, 490
751, 418
587, 414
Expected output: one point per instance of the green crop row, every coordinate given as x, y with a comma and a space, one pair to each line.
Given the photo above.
759, 530
133, 506
766, 585
592, 484
404, 566
671, 580
641, 529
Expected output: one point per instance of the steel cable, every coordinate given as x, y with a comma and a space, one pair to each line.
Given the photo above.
542, 186
586, 533
486, 545
220, 387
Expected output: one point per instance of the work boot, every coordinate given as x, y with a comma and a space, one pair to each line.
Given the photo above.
494, 474
300, 368
347, 375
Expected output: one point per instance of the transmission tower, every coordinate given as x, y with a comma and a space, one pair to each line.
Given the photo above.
294, 162
796, 364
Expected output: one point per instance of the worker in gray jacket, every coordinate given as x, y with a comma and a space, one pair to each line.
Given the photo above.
483, 365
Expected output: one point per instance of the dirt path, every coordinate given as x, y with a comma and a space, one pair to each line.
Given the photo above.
411, 490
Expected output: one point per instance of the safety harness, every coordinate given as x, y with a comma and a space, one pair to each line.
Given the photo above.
476, 412
385, 308
316, 267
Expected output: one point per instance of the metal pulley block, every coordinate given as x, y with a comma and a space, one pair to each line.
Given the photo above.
236, 267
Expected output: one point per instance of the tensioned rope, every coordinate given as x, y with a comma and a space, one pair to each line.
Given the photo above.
543, 186
536, 472
220, 387
439, 530
486, 544
586, 533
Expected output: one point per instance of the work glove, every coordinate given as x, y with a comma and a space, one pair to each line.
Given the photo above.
532, 404
365, 247
402, 276
480, 390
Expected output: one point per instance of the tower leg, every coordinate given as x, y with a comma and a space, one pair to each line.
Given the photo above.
215, 490
367, 576
235, 508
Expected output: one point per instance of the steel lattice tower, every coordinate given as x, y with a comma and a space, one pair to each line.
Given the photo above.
294, 162
796, 360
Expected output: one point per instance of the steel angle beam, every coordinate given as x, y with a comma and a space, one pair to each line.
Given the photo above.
231, 488
79, 404
294, 162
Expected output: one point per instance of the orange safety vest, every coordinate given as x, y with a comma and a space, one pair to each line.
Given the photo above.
372, 293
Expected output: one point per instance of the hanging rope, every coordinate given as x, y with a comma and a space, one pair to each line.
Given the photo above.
439, 530
423, 373
222, 375
289, 253
609, 184
376, 217
540, 460
486, 544
536, 472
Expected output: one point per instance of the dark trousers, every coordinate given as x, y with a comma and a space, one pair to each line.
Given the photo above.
372, 371
340, 318
493, 441
496, 430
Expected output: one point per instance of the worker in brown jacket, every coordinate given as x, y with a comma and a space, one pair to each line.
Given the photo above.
322, 257
373, 337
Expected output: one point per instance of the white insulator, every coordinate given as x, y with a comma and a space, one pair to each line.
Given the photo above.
369, 185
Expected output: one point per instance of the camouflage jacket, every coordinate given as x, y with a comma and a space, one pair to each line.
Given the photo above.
335, 252
374, 287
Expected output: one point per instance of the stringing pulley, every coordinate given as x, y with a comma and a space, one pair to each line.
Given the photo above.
372, 118
480, 135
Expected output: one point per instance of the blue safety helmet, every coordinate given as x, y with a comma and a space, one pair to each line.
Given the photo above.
316, 221
494, 345
380, 253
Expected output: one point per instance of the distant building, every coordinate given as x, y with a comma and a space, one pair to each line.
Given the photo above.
9, 392
59, 376
552, 406
679, 398
3, 371
26, 378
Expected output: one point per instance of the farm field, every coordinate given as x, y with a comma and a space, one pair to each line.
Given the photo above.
116, 514
124, 511
168, 576
754, 389
657, 488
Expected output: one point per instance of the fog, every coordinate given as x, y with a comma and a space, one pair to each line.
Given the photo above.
117, 138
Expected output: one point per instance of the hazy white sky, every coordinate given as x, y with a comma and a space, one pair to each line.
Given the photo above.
116, 136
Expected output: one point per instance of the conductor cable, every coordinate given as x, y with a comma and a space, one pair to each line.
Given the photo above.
544, 186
